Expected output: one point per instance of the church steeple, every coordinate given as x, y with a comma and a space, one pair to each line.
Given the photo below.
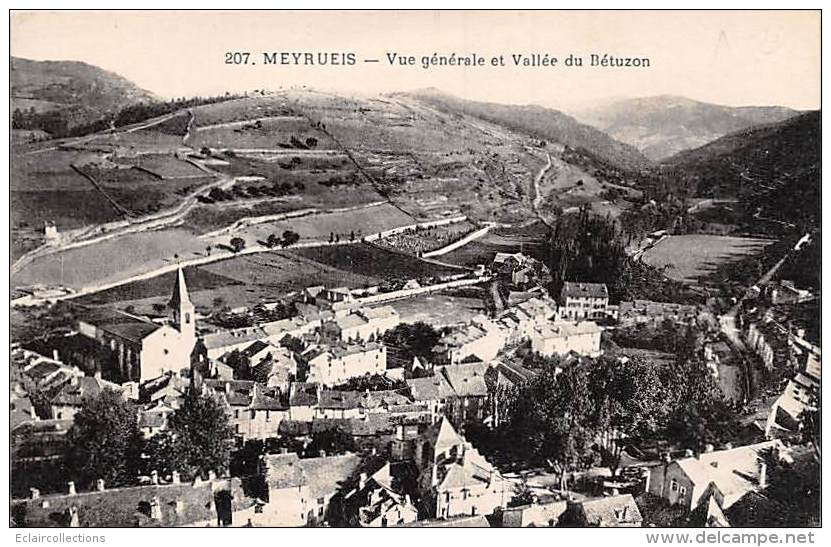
181, 308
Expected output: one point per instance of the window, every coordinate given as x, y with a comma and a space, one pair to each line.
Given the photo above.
673, 485
236, 414
683, 491
187, 319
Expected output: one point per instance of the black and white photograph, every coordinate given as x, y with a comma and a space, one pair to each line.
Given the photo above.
411, 268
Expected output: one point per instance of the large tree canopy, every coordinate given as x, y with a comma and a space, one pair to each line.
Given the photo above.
198, 439
104, 442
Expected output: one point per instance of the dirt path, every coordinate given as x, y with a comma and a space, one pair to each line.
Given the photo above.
538, 197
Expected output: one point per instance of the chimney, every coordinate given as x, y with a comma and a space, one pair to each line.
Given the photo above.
407, 499
211, 475
154, 477
34, 493
321, 453
99, 485
97, 374
55, 355
227, 388
708, 448
70, 487
155, 509
763, 474
284, 450
175, 478
362, 482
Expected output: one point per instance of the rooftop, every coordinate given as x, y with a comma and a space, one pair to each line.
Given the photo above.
576, 289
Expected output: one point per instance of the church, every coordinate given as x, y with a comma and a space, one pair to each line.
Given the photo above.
143, 349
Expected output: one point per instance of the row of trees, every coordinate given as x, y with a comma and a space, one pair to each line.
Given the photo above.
105, 441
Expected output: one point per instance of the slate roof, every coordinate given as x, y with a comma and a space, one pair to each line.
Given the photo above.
433, 388
321, 476
733, 471
303, 394
577, 289
611, 511
467, 380
72, 394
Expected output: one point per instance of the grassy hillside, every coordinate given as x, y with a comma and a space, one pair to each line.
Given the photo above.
50, 95
544, 123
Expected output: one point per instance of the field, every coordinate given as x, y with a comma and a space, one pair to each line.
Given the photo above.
689, 258
250, 279
266, 133
240, 281
528, 240
438, 309
240, 109
368, 260
110, 260
362, 221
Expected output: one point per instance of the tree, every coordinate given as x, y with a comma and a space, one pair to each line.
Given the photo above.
104, 441
552, 418
330, 441
237, 244
290, 238
700, 415
272, 241
630, 404
410, 340
198, 439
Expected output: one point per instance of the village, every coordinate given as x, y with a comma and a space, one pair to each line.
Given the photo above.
340, 415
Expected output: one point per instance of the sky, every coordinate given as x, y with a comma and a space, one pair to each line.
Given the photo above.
727, 57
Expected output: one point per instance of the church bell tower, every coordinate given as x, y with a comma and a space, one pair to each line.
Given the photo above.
181, 309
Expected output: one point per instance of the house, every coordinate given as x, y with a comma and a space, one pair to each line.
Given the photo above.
378, 504
153, 420
303, 398
216, 502
141, 348
638, 312
365, 323
470, 402
253, 412
455, 479
279, 363
69, 399
606, 512
432, 391
726, 474
298, 491
583, 300
801, 395
582, 338
480, 339
536, 515
293, 326
334, 365
221, 343
338, 404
